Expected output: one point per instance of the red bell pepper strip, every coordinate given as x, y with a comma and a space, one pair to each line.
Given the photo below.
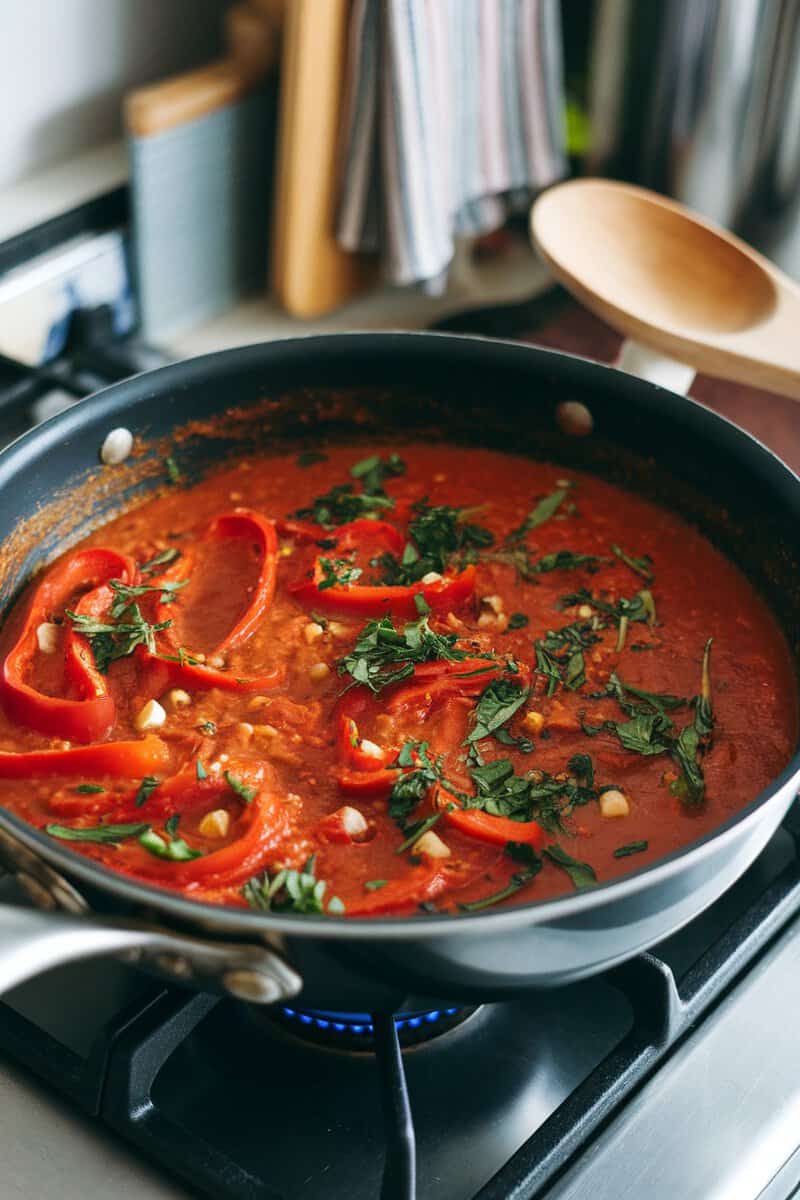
333, 827
351, 749
184, 792
126, 760
421, 883
243, 522
90, 717
175, 667
438, 680
374, 600
371, 600
358, 535
171, 672
497, 831
366, 783
301, 531
266, 823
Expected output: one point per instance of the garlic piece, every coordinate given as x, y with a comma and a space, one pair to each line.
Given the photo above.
495, 603
354, 823
370, 748
151, 716
312, 631
215, 824
533, 722
432, 577
116, 447
177, 698
47, 637
318, 672
432, 845
614, 803
585, 611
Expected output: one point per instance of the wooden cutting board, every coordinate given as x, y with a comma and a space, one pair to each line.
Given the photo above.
311, 274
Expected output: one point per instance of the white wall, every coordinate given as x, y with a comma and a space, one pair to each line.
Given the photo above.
65, 64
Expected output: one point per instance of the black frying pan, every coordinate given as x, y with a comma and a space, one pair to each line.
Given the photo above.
296, 393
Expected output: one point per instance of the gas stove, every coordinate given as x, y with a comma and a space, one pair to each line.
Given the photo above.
673, 1076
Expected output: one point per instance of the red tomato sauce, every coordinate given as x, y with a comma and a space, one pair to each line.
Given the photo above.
449, 681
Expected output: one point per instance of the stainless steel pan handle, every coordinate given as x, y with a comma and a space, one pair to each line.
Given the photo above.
31, 942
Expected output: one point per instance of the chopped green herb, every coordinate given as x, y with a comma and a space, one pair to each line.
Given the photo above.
124, 594
336, 906
145, 789
640, 565
89, 789
581, 874
518, 881
496, 705
630, 848
172, 849
288, 891
518, 621
374, 885
110, 641
640, 607
309, 457
343, 504
559, 654
374, 471
248, 794
337, 573
200, 770
544, 510
103, 834
173, 471
439, 537
183, 657
207, 727
384, 655
421, 605
172, 823
421, 827
160, 560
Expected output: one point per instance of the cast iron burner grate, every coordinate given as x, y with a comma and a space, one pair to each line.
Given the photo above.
356, 1031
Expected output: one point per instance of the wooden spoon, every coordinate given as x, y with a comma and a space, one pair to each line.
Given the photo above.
672, 280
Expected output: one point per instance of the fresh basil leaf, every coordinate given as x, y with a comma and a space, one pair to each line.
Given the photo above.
145, 789
162, 559
384, 655
640, 565
248, 794
174, 850
543, 511
630, 848
496, 706
581, 874
518, 881
102, 834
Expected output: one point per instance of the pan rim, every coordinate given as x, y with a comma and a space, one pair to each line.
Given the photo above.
114, 400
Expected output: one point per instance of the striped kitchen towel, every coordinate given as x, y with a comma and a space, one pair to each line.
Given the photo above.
452, 120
